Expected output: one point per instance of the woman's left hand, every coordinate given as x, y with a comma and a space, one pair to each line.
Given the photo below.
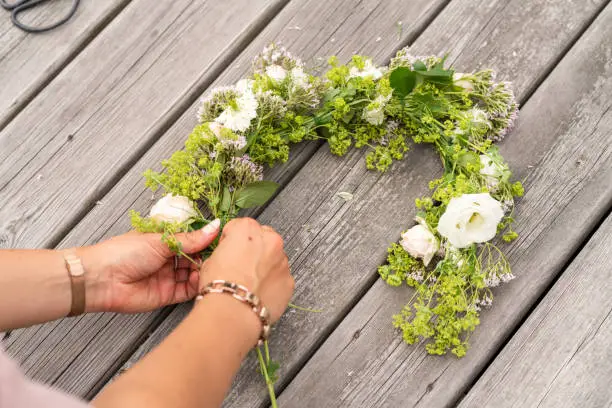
136, 272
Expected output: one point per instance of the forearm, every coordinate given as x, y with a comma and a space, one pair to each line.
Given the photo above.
195, 365
35, 286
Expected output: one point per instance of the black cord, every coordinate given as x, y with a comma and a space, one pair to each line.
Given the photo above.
22, 5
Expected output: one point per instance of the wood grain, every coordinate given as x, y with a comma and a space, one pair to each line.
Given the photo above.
334, 246
29, 61
562, 354
77, 354
563, 148
105, 109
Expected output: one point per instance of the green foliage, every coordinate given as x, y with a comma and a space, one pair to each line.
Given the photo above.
256, 193
403, 80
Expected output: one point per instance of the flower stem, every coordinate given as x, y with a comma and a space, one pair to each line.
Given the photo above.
304, 309
264, 371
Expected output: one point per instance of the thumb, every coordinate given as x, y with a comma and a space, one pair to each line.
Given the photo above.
196, 241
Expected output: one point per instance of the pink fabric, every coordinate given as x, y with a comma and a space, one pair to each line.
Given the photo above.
16, 391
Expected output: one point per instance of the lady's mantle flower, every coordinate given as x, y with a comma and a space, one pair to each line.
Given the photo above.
471, 218
238, 114
419, 242
276, 73
369, 70
175, 209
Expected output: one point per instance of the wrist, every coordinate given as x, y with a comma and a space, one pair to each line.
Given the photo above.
97, 279
230, 316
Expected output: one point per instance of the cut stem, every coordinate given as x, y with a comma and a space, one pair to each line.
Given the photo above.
264, 371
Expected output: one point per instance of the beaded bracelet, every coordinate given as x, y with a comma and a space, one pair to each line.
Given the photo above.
244, 295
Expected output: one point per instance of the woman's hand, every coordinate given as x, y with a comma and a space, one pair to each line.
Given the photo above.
252, 255
135, 272
201, 356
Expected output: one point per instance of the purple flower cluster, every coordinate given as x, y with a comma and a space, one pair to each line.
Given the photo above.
245, 170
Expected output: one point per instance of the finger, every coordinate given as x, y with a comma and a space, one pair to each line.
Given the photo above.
267, 228
182, 275
187, 290
273, 242
196, 241
184, 263
241, 228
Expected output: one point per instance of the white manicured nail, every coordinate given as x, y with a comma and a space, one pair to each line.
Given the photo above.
212, 226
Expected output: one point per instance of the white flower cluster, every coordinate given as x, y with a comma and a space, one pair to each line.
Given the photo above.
369, 70
237, 116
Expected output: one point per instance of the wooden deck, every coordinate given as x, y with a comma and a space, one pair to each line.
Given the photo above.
95, 102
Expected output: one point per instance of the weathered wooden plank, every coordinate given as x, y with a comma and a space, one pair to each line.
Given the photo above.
28, 62
100, 114
565, 131
334, 246
562, 354
50, 352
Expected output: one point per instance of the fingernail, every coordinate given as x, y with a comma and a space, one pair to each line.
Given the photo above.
212, 226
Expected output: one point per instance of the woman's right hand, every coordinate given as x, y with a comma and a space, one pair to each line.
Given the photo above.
252, 255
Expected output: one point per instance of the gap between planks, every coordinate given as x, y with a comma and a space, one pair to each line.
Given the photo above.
56, 67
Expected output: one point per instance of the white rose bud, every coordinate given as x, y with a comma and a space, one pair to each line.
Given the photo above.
491, 170
215, 128
171, 208
463, 83
471, 218
420, 242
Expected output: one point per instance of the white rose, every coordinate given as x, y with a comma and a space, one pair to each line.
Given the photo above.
276, 73
471, 218
420, 242
490, 170
171, 208
459, 80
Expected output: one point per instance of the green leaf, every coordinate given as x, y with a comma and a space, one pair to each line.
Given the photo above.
437, 75
403, 81
419, 66
196, 225
272, 369
226, 201
256, 193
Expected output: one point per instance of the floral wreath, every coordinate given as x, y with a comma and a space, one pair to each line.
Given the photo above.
253, 123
